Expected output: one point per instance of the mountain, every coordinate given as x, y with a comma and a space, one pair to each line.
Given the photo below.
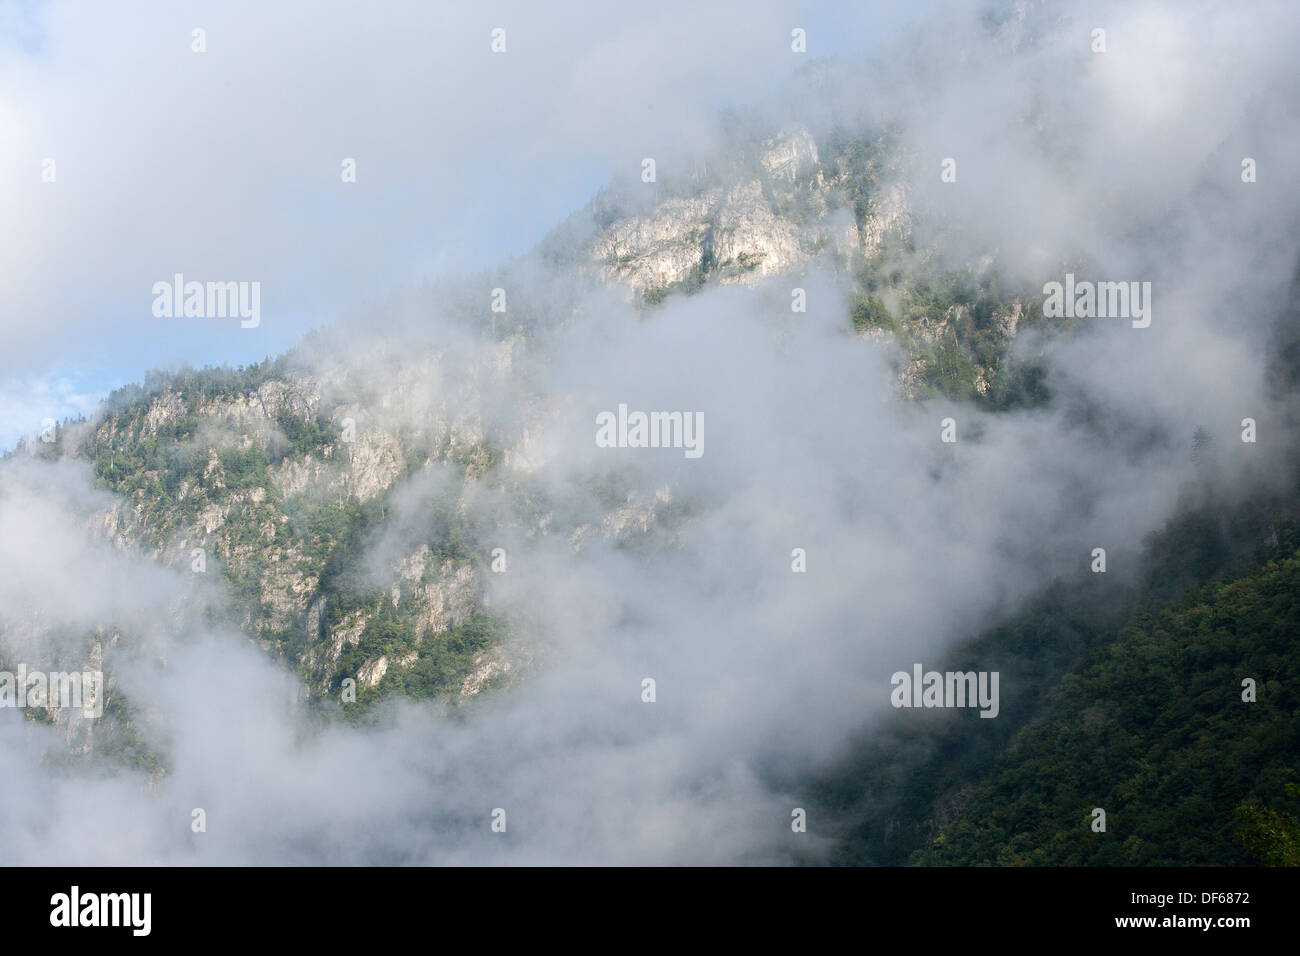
350, 500
1183, 730
274, 476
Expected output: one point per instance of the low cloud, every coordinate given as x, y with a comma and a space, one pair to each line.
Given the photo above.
761, 674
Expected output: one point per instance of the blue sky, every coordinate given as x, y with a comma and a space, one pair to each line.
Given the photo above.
224, 165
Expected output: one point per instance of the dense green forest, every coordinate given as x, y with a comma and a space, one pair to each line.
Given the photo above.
1154, 730
1119, 692
1127, 699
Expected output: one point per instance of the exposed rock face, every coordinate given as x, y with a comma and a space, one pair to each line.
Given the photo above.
657, 251
789, 210
281, 493
372, 672
448, 600
790, 156
374, 460
166, 409
488, 665
283, 478
891, 217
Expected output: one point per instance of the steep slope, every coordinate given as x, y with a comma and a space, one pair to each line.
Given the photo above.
280, 477
1157, 731
780, 203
